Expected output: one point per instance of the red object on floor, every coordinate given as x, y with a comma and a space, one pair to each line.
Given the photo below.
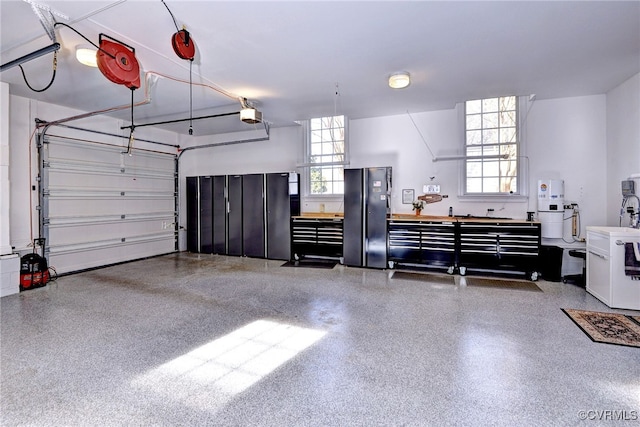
33, 280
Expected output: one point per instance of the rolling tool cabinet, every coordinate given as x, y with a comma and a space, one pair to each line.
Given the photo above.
506, 246
316, 237
425, 243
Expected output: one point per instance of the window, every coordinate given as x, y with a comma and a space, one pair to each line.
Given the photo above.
326, 155
491, 146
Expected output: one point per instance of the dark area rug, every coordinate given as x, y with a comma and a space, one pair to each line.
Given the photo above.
519, 285
609, 328
310, 263
424, 277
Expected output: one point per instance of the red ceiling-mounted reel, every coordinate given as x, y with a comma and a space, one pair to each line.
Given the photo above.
183, 45
117, 61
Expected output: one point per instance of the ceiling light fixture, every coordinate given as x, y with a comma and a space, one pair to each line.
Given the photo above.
86, 55
399, 80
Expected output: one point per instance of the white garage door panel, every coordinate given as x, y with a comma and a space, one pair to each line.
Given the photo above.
83, 259
102, 206
73, 208
75, 234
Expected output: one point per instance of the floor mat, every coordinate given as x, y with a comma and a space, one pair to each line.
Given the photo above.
520, 285
609, 328
424, 277
308, 263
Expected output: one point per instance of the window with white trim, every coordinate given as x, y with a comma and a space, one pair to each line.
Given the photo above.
491, 147
326, 155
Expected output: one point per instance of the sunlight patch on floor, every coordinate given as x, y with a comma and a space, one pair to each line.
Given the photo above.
220, 369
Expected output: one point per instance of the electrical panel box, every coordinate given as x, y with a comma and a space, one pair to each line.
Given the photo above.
628, 188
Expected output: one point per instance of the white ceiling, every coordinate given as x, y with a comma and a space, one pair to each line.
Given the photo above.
302, 59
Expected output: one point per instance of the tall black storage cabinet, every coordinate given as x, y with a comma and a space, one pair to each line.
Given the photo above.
220, 214
365, 216
282, 202
234, 215
253, 215
205, 188
193, 208
353, 224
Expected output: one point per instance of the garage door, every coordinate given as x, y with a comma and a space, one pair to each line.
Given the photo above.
100, 205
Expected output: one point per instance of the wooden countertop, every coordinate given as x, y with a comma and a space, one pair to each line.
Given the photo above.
320, 215
414, 217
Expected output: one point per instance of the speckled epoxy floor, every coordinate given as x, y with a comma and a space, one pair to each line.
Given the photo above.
150, 343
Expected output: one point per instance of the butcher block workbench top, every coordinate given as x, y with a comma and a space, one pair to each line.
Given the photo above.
414, 217
311, 215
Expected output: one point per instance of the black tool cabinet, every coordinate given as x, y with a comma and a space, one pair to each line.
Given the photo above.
316, 237
242, 215
505, 246
425, 243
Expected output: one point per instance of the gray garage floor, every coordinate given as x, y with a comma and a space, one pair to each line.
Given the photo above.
195, 340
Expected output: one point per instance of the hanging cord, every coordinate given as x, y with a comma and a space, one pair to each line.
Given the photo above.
84, 37
190, 96
53, 75
172, 17
130, 144
55, 59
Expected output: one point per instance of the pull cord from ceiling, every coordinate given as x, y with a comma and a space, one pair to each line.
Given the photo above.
133, 127
190, 96
183, 47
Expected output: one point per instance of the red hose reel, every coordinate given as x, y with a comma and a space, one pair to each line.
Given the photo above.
117, 62
183, 45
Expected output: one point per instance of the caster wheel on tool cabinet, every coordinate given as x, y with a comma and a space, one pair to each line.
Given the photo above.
391, 264
534, 276
450, 270
463, 271
296, 257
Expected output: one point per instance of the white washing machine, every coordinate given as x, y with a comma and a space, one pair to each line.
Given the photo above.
606, 278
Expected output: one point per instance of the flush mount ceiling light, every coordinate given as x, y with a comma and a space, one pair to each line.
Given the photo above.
399, 80
86, 55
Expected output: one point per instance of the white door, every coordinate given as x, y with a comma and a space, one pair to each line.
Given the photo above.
101, 206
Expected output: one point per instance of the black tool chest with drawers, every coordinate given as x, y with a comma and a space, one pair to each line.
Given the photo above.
466, 245
316, 237
431, 243
511, 246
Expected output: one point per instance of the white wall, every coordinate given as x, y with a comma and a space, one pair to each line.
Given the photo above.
5, 246
623, 143
567, 140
